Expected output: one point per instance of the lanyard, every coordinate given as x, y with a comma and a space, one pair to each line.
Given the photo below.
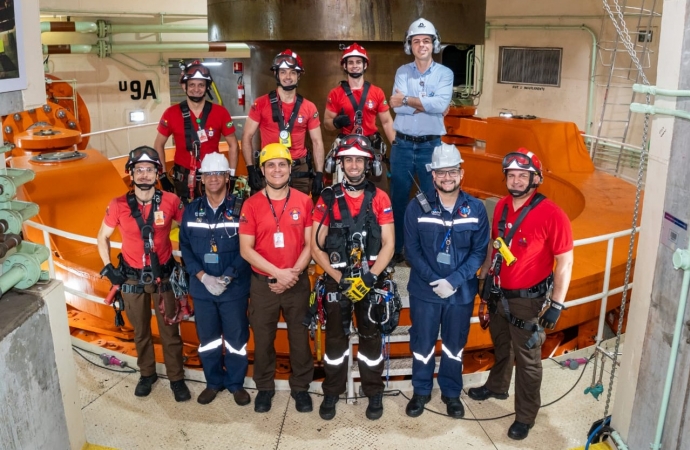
445, 245
276, 218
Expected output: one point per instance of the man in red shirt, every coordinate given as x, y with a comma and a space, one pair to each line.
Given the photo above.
146, 214
524, 295
283, 116
352, 107
196, 125
343, 214
275, 228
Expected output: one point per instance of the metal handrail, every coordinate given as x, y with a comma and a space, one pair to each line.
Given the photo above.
603, 295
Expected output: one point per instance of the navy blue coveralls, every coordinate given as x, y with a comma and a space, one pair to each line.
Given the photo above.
221, 321
426, 236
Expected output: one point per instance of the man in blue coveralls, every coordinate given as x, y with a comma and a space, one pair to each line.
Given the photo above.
445, 244
219, 283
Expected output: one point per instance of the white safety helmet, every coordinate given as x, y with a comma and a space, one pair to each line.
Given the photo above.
422, 26
214, 162
445, 155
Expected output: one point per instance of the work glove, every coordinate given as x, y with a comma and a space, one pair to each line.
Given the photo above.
317, 186
443, 288
254, 178
550, 313
113, 274
483, 315
369, 279
341, 121
353, 288
214, 285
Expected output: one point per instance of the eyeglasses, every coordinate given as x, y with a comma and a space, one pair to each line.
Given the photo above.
215, 174
144, 170
444, 173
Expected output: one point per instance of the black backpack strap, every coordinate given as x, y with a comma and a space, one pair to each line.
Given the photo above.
204, 115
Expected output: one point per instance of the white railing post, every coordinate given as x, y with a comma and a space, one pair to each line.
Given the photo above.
51, 262
604, 299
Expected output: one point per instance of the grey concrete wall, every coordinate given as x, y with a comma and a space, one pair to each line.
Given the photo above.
32, 416
666, 290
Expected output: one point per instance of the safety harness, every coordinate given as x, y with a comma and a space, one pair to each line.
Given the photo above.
288, 125
193, 143
153, 272
533, 292
358, 108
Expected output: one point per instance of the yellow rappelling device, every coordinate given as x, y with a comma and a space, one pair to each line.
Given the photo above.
500, 245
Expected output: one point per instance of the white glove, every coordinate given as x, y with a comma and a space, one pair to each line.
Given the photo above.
442, 288
213, 284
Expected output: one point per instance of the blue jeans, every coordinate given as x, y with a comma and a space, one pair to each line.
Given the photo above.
407, 159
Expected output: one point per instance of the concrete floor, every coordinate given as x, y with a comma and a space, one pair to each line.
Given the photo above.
114, 417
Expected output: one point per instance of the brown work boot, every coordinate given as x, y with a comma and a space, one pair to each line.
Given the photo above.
207, 396
241, 397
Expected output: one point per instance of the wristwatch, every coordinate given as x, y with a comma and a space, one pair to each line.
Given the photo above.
404, 101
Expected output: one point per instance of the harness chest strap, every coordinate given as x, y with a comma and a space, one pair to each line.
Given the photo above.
191, 136
358, 108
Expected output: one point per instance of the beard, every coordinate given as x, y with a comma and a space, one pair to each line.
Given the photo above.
440, 187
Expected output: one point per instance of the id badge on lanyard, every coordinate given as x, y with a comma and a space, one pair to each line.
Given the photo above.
443, 257
202, 136
278, 240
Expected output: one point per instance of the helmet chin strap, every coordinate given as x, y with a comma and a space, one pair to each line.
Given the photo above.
354, 185
196, 99
144, 187
354, 75
286, 88
277, 188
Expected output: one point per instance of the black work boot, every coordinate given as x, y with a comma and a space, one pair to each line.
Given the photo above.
263, 400
375, 408
327, 408
302, 401
144, 385
482, 393
454, 407
519, 430
415, 407
180, 391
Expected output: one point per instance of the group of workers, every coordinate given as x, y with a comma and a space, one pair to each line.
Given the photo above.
247, 258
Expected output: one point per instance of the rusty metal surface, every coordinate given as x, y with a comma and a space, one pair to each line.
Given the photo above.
458, 21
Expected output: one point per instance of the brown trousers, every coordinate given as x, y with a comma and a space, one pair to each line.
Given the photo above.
509, 346
264, 313
138, 309
302, 184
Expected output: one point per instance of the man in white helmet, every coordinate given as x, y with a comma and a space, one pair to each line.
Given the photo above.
219, 281
421, 95
197, 126
445, 243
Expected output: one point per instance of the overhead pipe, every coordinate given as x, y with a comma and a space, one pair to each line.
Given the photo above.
69, 27
104, 28
681, 260
104, 49
652, 110
653, 90
592, 66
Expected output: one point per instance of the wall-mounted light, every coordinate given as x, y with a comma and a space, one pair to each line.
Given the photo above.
136, 116
212, 63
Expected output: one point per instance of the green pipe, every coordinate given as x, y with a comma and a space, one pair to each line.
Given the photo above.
653, 90
126, 28
681, 260
11, 278
651, 109
592, 65
104, 49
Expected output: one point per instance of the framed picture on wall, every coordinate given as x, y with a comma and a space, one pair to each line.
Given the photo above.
12, 69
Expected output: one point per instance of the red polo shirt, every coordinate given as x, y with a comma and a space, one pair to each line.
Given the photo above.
376, 103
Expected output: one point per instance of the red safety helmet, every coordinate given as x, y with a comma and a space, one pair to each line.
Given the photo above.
287, 59
195, 71
522, 159
354, 50
143, 154
355, 145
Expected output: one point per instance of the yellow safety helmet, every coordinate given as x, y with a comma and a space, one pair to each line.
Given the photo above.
274, 151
